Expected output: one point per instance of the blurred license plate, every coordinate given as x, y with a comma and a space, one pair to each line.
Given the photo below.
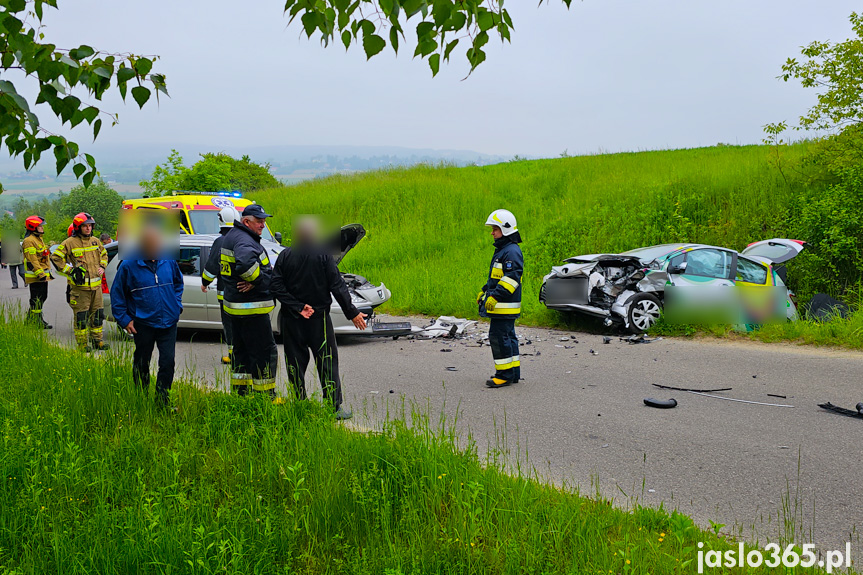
391, 326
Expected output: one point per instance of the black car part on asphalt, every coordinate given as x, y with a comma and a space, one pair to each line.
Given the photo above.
660, 403
842, 411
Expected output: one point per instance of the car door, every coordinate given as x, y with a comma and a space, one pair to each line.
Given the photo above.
195, 307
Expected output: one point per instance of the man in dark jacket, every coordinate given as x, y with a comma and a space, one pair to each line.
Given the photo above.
146, 301
245, 269
305, 279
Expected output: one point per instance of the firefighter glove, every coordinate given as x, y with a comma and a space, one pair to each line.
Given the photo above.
490, 304
78, 276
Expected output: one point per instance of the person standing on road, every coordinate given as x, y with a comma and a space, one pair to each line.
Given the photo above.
37, 272
146, 301
12, 254
227, 217
83, 258
246, 273
500, 298
305, 279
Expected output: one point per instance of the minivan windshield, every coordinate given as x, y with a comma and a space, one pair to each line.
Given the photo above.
207, 222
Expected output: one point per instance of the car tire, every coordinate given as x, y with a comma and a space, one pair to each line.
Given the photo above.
642, 312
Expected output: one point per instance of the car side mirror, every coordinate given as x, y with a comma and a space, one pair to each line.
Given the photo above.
278, 237
677, 269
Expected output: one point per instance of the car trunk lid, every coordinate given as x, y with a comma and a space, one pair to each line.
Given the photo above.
777, 250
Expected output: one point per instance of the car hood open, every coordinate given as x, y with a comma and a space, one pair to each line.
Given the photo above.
349, 236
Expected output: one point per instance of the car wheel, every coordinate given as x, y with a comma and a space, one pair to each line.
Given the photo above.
643, 312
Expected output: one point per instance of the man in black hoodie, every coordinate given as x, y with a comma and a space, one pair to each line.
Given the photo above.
305, 278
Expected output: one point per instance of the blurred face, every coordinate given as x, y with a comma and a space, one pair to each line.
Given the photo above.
496, 233
40, 230
86, 229
255, 224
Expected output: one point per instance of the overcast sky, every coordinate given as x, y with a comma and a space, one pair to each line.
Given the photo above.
606, 75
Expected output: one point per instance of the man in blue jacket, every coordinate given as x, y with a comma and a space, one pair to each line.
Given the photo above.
146, 301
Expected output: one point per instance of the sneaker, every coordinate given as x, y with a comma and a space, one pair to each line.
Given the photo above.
342, 414
46, 325
497, 382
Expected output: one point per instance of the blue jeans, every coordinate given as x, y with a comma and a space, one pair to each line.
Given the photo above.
504, 349
145, 340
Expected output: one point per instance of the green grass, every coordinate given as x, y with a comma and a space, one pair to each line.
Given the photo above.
426, 239
94, 479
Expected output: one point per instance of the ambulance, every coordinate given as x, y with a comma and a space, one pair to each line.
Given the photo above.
199, 211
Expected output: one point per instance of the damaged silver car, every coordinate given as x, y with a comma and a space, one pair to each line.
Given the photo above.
628, 289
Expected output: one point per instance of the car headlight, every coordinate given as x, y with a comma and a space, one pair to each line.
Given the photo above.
357, 298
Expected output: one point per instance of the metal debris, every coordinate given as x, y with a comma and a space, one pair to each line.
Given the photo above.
688, 389
742, 400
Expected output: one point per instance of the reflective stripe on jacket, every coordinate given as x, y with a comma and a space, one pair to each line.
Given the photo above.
211, 267
88, 253
504, 280
243, 258
36, 257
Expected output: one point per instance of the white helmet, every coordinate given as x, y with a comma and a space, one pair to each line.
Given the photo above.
227, 216
504, 220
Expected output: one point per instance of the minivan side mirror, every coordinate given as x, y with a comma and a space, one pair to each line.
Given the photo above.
278, 237
677, 269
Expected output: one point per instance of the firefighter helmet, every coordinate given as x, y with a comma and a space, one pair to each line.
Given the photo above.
71, 230
81, 219
33, 222
227, 216
504, 220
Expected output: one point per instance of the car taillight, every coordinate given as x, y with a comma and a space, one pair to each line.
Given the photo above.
105, 284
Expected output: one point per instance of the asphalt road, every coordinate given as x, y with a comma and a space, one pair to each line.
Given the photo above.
581, 420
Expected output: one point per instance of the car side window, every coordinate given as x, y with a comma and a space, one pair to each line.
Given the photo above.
190, 261
708, 263
751, 272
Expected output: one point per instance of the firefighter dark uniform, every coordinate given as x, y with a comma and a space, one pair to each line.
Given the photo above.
500, 301
79, 258
37, 269
243, 258
210, 273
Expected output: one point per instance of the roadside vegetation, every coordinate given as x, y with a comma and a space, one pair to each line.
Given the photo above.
95, 479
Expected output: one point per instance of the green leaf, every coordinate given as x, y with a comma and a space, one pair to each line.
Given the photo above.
449, 49
143, 66
125, 74
97, 126
81, 52
373, 45
434, 63
79, 169
346, 39
88, 178
394, 39
103, 72
141, 95
310, 22
485, 20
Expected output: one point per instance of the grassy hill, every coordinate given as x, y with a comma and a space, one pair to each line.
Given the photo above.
427, 242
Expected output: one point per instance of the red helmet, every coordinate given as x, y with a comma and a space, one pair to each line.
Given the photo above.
33, 222
80, 220
70, 230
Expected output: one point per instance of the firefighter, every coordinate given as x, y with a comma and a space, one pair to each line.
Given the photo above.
246, 272
82, 258
500, 298
227, 217
37, 269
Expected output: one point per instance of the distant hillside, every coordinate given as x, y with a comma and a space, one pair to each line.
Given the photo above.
427, 242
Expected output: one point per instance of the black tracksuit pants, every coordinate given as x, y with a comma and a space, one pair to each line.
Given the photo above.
302, 336
165, 339
256, 359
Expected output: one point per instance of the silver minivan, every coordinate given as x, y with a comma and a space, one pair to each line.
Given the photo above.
201, 309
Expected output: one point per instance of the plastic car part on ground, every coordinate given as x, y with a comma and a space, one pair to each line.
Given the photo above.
688, 389
444, 326
842, 411
822, 307
660, 403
